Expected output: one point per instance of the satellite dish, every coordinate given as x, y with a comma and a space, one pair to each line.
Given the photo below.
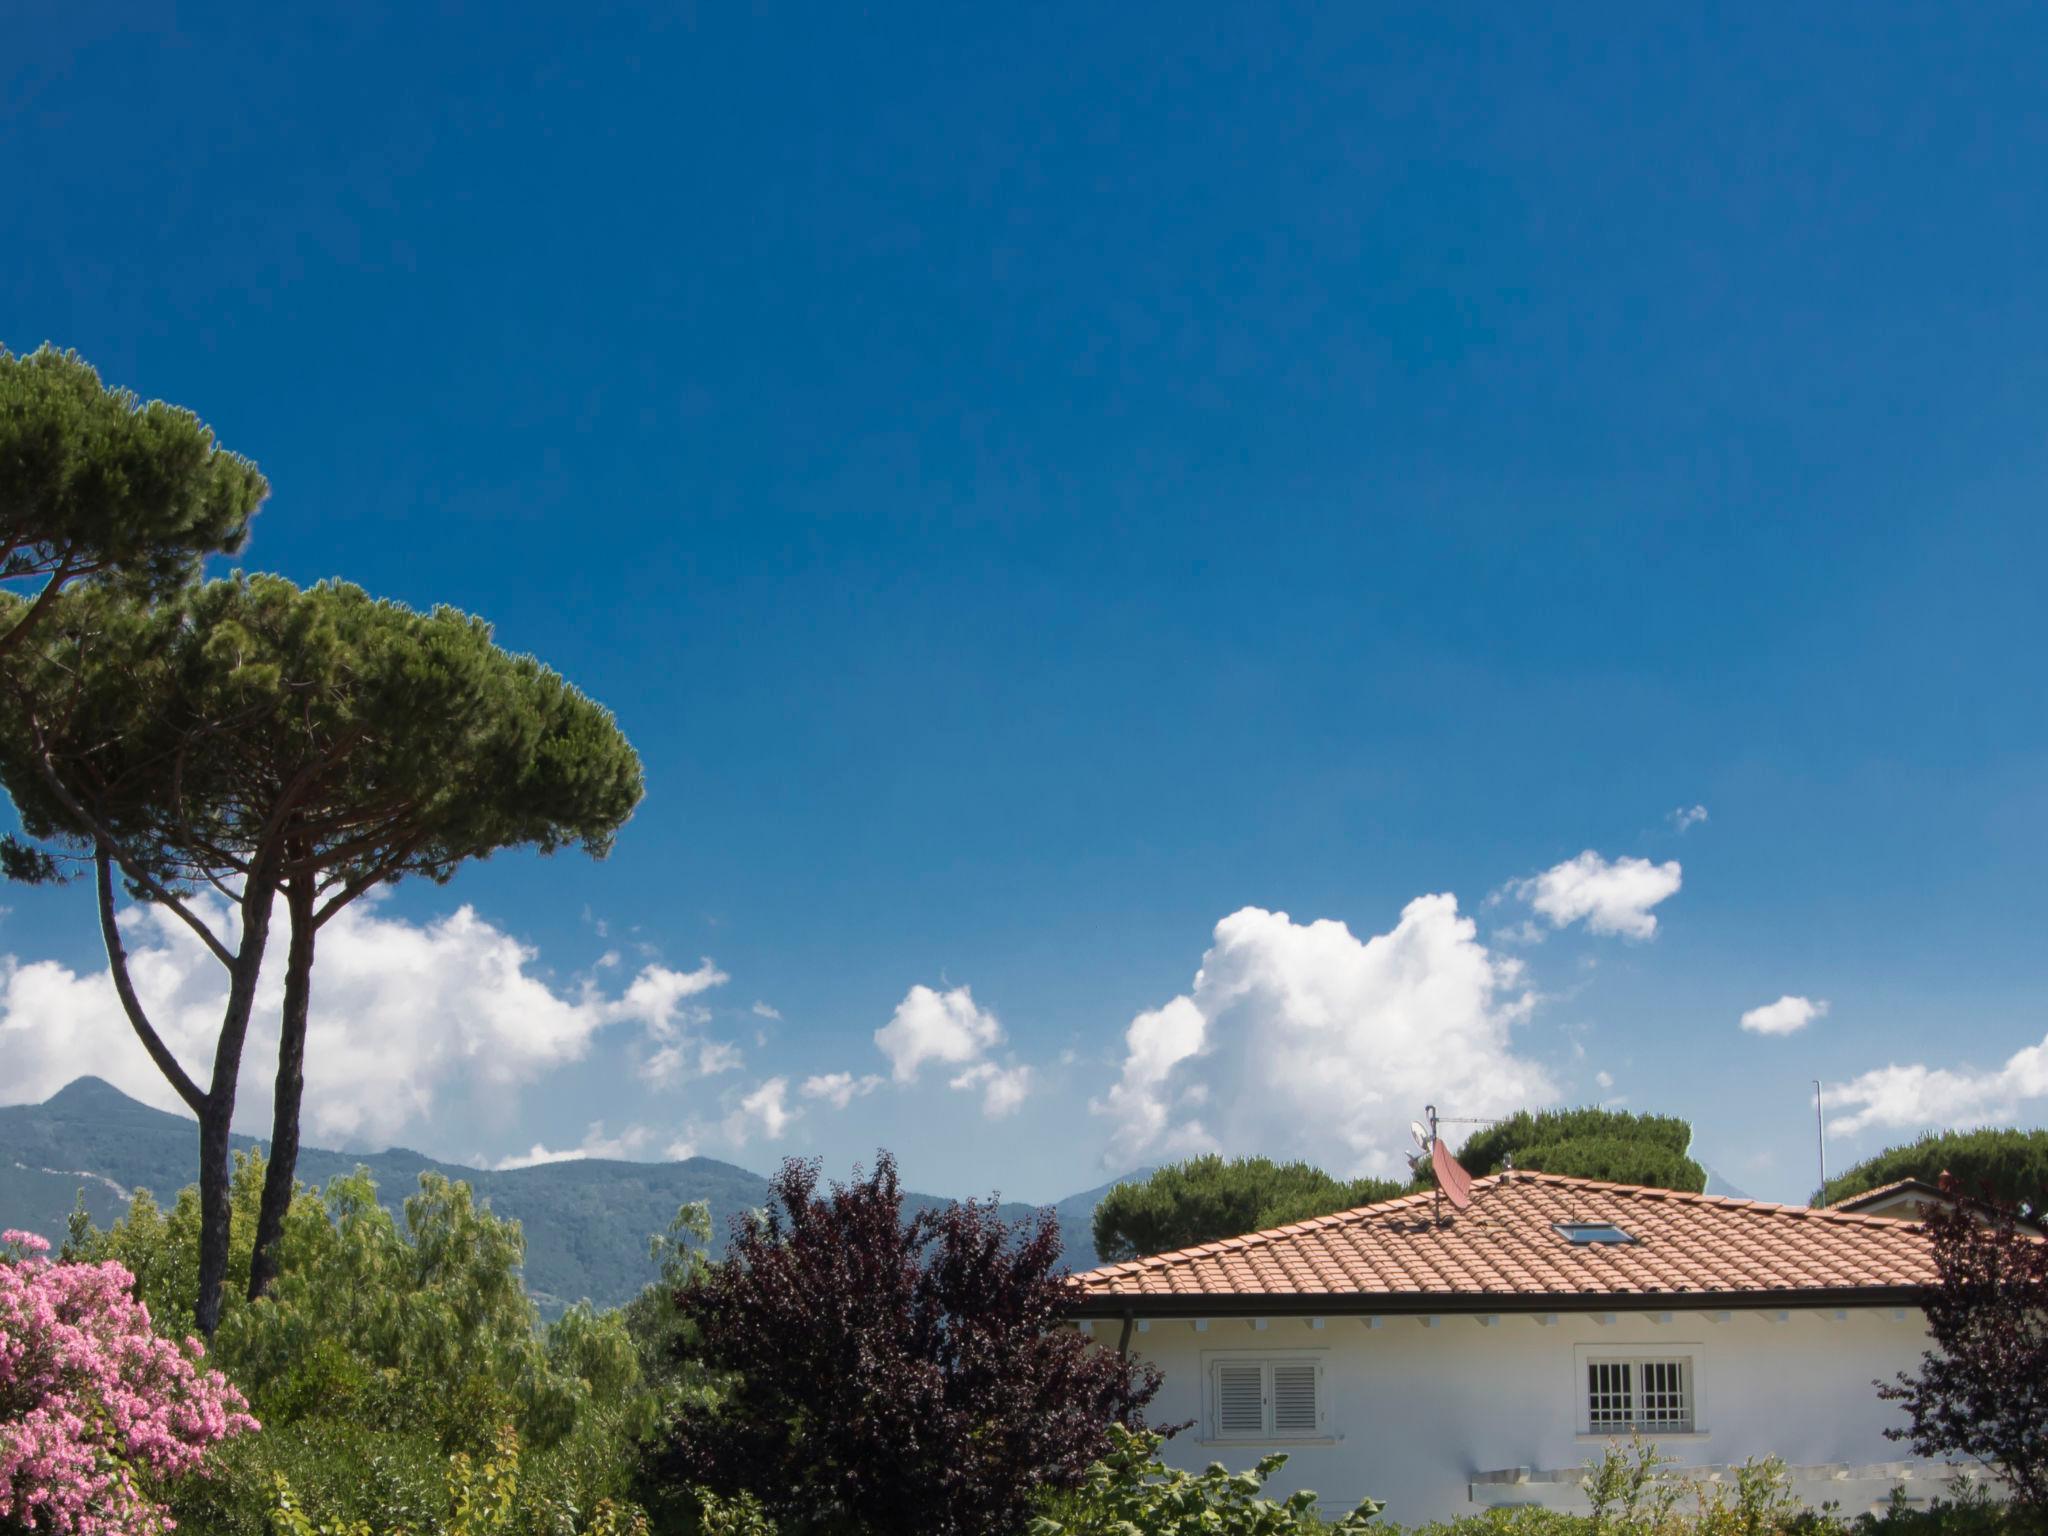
1420, 1133
1452, 1179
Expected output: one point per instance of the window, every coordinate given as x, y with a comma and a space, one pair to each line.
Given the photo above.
1624, 1395
1580, 1233
1268, 1399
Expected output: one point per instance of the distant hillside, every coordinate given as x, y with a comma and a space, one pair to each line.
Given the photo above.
586, 1222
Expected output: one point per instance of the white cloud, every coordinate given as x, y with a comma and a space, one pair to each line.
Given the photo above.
1921, 1097
1300, 1040
766, 1110
1786, 1016
945, 1027
1611, 898
840, 1089
628, 1144
1687, 817
1002, 1088
763, 1011
403, 1014
1604, 1079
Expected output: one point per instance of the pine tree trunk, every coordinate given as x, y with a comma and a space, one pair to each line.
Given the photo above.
282, 1170
217, 1118
215, 1190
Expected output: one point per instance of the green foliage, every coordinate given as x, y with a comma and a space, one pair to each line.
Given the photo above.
1207, 1198
1131, 1493
1631, 1494
2008, 1166
384, 1355
667, 1342
249, 719
1609, 1144
96, 485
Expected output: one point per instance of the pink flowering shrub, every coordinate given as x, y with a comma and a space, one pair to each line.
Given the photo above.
93, 1405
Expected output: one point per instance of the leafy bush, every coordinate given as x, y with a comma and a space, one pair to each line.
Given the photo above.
1130, 1491
381, 1355
2005, 1166
94, 1406
1207, 1198
1982, 1391
892, 1376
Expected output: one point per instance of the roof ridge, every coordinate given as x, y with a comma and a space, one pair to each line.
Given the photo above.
1267, 1235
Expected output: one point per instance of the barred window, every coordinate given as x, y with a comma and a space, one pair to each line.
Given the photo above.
1624, 1395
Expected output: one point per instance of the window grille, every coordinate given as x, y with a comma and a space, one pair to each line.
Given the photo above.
1268, 1399
1624, 1395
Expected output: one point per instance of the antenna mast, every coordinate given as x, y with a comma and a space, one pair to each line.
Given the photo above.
1820, 1135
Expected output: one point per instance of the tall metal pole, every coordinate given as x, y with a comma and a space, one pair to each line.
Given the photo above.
1820, 1134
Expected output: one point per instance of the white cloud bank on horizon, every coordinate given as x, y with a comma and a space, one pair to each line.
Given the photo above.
625, 1147
1919, 1097
1786, 1016
372, 1070
1301, 1040
1609, 898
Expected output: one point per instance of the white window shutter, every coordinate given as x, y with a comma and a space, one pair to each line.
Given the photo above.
1295, 1410
1240, 1400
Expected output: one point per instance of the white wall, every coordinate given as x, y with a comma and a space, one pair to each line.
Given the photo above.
1416, 1412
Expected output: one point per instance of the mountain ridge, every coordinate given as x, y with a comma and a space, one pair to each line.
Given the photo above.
586, 1220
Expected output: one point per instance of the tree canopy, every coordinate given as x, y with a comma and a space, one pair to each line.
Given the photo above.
96, 485
2008, 1167
1207, 1198
255, 740
1589, 1143
894, 1376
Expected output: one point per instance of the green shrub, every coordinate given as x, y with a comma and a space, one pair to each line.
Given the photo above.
2006, 1165
1130, 1492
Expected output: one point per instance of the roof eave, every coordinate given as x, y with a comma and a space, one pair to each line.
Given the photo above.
1415, 1304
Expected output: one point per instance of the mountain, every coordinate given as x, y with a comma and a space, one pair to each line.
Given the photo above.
587, 1222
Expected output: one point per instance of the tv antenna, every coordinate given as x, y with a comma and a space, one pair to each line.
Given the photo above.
1820, 1136
1452, 1180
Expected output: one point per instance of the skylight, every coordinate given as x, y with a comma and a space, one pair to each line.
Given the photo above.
1580, 1233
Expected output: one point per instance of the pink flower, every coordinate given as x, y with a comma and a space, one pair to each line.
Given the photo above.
87, 1390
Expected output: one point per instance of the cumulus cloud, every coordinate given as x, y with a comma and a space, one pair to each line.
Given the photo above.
945, 1027
1002, 1088
1301, 1040
403, 1013
1611, 898
1604, 1079
761, 1010
1921, 1097
1786, 1016
839, 1089
1687, 817
628, 1144
765, 1111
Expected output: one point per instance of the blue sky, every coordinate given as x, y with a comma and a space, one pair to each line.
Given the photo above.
1034, 486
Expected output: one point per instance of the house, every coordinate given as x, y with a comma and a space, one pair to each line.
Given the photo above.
1912, 1199
1445, 1360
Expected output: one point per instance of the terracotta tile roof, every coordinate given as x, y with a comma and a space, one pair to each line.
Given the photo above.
1885, 1192
1506, 1246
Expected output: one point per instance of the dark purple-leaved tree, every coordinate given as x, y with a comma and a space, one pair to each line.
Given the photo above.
1982, 1391
893, 1376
